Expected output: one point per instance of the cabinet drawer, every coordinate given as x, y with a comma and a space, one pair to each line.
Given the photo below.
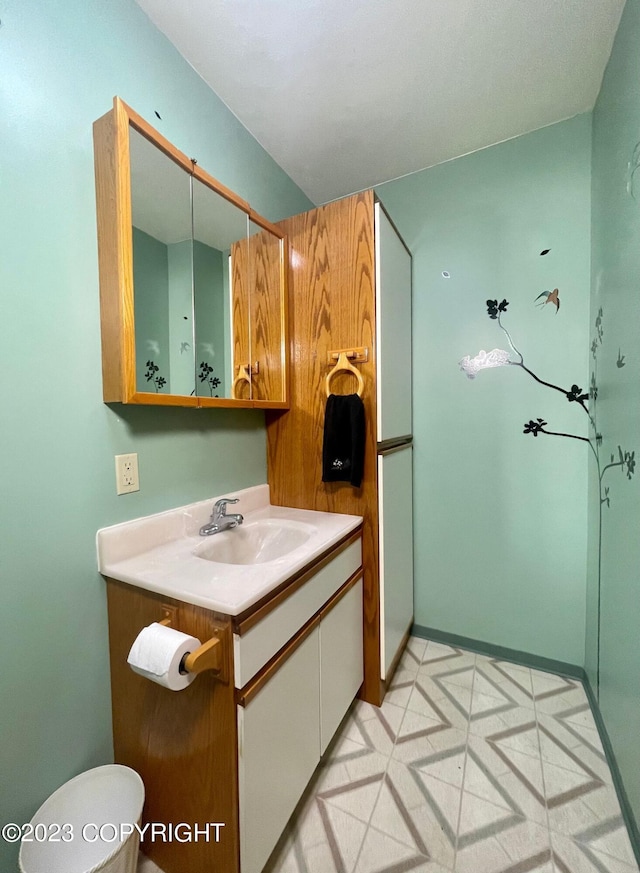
260, 643
278, 750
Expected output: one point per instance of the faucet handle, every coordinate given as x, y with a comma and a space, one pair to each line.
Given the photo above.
220, 506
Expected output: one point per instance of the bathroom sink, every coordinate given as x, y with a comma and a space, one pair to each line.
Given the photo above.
227, 572
255, 543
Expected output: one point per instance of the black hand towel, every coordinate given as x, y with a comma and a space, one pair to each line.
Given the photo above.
343, 444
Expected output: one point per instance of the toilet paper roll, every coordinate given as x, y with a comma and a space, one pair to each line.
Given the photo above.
156, 654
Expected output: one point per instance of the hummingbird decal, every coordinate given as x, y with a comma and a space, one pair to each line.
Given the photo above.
552, 297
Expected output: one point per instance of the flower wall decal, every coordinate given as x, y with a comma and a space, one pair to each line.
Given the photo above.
535, 427
484, 361
494, 308
625, 459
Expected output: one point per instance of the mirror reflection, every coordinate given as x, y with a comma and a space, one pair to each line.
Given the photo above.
162, 270
219, 288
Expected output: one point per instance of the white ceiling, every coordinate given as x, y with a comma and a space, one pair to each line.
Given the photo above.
345, 94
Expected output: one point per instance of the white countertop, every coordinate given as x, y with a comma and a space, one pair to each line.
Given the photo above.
159, 552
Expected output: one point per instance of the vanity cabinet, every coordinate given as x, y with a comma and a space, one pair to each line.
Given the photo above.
241, 748
192, 280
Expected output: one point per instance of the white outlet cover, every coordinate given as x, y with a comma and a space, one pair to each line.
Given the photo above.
127, 479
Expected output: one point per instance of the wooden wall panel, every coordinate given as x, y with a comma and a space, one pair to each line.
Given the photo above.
331, 306
176, 740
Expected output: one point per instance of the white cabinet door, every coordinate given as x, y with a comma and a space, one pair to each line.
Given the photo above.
395, 495
393, 330
278, 750
341, 670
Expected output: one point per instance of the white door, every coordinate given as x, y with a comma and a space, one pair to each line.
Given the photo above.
393, 330
395, 496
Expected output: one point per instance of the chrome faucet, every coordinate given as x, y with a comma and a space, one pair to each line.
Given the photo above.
219, 520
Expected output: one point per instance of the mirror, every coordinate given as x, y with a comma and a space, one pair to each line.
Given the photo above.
163, 266
192, 280
219, 236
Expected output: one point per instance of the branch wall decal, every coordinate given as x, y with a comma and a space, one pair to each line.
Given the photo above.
586, 400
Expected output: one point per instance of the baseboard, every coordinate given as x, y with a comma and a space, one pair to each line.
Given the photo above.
573, 671
625, 806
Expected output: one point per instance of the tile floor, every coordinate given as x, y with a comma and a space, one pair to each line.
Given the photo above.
472, 765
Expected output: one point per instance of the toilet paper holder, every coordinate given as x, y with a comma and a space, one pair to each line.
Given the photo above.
209, 656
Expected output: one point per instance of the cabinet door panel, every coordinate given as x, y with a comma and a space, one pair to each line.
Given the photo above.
396, 550
393, 330
279, 747
341, 670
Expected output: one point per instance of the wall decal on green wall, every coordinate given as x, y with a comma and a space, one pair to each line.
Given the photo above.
551, 297
625, 459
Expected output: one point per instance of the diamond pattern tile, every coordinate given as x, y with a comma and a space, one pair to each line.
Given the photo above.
472, 765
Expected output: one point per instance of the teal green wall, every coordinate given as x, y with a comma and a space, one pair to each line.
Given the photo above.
61, 63
615, 289
500, 517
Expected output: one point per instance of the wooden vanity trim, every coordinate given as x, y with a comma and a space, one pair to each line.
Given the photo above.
208, 180
153, 135
264, 224
340, 593
221, 402
255, 613
149, 399
246, 694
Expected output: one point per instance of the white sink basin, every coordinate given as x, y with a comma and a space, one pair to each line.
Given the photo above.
256, 543
225, 572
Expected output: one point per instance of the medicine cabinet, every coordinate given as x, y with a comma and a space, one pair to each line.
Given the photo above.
192, 281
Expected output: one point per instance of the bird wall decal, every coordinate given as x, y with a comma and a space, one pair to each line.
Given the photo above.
552, 297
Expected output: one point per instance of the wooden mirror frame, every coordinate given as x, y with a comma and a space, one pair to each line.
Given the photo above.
115, 263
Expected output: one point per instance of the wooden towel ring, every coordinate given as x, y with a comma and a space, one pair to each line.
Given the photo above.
344, 364
243, 376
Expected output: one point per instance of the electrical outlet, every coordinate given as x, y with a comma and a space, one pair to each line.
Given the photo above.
127, 474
